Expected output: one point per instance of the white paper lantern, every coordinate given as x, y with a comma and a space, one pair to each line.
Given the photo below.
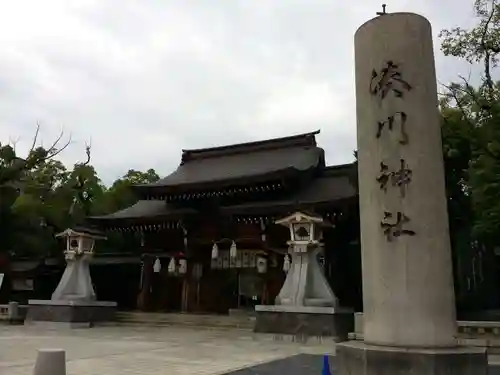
157, 266
233, 251
261, 265
286, 263
171, 265
215, 251
182, 266
197, 270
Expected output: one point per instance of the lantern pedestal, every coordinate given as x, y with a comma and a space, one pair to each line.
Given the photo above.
68, 313
75, 283
73, 302
305, 284
304, 322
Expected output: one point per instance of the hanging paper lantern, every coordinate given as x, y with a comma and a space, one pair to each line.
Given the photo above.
197, 270
171, 265
157, 266
233, 251
261, 264
215, 251
182, 266
286, 263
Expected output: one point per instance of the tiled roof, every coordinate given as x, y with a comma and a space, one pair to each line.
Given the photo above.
242, 163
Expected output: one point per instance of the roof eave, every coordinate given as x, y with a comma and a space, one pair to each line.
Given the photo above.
158, 190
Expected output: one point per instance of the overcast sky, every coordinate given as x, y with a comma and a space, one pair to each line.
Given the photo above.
144, 79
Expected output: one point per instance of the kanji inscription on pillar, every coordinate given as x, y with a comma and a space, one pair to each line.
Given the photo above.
398, 178
384, 176
388, 80
396, 227
402, 177
399, 119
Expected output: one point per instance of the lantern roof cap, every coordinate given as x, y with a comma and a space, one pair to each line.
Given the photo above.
82, 232
302, 217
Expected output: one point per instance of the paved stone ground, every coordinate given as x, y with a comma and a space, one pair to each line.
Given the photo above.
303, 364
172, 351
146, 351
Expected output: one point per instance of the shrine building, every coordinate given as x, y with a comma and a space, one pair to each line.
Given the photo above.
206, 233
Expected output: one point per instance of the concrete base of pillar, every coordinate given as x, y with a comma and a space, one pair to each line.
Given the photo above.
304, 321
75, 314
358, 358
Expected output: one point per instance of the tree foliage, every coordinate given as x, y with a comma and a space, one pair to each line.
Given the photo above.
40, 196
120, 194
472, 115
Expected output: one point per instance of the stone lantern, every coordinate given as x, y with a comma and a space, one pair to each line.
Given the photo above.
305, 284
74, 300
76, 283
306, 298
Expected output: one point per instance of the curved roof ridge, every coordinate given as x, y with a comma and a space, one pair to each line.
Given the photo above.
304, 140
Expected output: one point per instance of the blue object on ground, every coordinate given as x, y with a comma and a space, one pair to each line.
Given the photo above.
326, 366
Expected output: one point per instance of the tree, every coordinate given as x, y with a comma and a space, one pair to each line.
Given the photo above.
39, 211
40, 197
86, 189
20, 195
479, 108
120, 194
472, 134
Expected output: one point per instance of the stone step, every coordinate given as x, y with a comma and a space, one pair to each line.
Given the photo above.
178, 325
168, 319
187, 323
185, 318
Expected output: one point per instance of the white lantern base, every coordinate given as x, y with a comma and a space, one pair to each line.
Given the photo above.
305, 284
75, 283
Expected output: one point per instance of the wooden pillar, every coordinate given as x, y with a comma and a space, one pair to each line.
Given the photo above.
146, 283
185, 294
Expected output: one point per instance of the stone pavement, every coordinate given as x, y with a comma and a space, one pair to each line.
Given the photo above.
304, 364
146, 350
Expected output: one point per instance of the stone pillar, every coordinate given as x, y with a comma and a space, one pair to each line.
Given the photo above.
50, 362
401, 174
76, 283
408, 293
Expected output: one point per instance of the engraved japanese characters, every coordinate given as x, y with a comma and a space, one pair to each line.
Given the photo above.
389, 80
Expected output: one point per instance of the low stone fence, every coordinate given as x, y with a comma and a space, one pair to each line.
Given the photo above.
471, 333
478, 328
13, 313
